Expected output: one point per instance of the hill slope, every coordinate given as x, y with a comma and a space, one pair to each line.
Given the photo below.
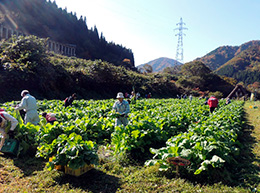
244, 67
223, 54
26, 65
44, 19
160, 63
239, 62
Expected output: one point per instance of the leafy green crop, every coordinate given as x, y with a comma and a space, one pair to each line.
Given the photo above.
209, 143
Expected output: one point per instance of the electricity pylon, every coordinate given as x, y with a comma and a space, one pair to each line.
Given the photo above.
179, 51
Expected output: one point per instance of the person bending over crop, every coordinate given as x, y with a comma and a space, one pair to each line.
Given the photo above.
7, 126
68, 101
50, 117
228, 101
121, 107
213, 103
29, 105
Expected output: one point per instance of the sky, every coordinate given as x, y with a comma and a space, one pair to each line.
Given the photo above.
149, 27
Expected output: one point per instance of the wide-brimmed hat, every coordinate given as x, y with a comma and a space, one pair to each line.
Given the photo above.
120, 95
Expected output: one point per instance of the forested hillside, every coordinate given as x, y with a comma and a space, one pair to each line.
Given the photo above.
238, 62
25, 64
244, 67
99, 70
223, 54
44, 19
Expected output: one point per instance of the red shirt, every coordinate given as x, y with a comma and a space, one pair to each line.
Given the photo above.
50, 117
213, 102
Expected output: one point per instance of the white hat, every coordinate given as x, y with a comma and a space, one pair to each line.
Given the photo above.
120, 95
24, 91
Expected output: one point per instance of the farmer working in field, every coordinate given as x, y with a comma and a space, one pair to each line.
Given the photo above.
7, 126
213, 103
29, 105
122, 108
228, 101
50, 117
68, 101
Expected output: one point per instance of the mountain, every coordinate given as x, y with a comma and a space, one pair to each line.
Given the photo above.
160, 63
239, 62
44, 19
223, 54
26, 64
243, 67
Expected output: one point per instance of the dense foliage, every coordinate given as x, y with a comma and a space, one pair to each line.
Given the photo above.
44, 19
209, 141
199, 78
223, 54
24, 64
244, 67
238, 62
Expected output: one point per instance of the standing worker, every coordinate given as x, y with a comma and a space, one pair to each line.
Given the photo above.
29, 105
190, 97
122, 108
68, 101
213, 103
133, 97
149, 95
7, 126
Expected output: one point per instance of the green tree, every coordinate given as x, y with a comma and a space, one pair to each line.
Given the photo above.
195, 68
23, 52
172, 70
148, 68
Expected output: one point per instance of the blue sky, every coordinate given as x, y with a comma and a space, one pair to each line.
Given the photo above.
147, 26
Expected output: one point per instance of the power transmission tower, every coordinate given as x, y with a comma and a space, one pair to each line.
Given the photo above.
179, 51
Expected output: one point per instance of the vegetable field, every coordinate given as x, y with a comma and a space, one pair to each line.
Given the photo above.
158, 129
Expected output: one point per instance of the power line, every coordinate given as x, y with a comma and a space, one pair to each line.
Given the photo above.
179, 51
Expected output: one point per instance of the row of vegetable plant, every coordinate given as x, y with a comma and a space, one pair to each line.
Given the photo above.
210, 144
187, 126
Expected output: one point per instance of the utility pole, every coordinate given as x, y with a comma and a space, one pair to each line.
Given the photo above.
179, 51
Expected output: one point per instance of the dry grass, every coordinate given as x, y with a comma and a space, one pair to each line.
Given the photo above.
253, 116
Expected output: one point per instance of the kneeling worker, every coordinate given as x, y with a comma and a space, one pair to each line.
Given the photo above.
50, 117
7, 126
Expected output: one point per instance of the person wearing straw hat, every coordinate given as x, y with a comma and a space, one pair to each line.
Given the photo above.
29, 105
121, 107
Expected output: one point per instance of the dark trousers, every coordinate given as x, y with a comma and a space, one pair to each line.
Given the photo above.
211, 109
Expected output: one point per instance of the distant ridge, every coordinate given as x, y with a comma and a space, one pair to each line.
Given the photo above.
221, 55
160, 63
241, 63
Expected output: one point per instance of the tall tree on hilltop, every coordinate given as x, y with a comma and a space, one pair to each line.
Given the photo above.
196, 68
44, 19
148, 68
